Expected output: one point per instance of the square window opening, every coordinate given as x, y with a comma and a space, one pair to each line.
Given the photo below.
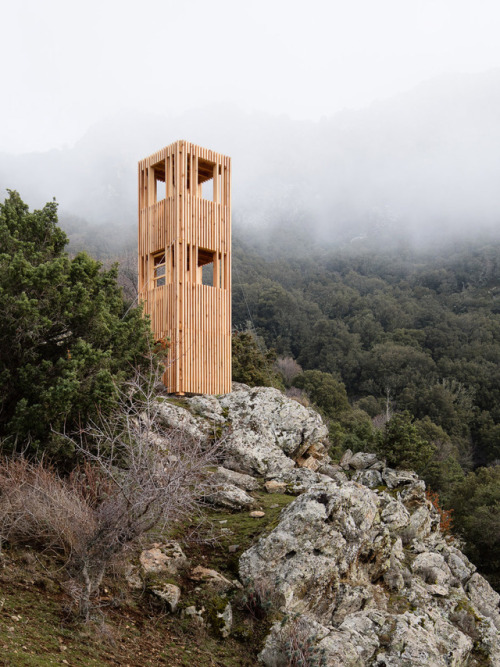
206, 263
206, 178
158, 171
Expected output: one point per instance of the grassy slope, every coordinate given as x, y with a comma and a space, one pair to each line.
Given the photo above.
38, 627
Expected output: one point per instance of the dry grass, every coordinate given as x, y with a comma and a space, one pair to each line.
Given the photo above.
136, 478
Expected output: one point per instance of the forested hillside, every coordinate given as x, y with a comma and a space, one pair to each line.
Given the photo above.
423, 329
406, 331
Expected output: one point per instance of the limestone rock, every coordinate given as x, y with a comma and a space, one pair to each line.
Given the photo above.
230, 496
169, 594
268, 430
207, 407
163, 558
346, 457
330, 469
393, 513
225, 476
299, 480
324, 563
308, 462
369, 478
314, 457
362, 460
484, 598
432, 568
272, 486
459, 564
396, 478
212, 579
318, 540
225, 621
265, 432
178, 418
421, 524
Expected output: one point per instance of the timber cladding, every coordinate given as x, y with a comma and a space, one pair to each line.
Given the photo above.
185, 263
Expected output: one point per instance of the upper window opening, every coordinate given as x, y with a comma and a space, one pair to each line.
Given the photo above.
205, 256
160, 189
207, 275
206, 178
159, 181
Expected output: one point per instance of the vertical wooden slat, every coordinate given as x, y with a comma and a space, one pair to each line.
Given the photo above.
178, 221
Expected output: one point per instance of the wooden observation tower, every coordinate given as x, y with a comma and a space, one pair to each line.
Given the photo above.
185, 263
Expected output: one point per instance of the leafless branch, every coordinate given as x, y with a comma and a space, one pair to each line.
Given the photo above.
136, 478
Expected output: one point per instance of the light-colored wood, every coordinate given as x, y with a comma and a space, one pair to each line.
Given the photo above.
179, 233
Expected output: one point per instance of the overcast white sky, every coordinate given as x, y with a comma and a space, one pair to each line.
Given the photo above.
66, 65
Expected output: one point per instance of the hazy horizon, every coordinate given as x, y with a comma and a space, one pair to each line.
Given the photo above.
350, 117
70, 67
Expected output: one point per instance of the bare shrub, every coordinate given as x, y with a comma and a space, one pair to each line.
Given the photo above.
288, 368
261, 598
379, 421
298, 395
298, 645
136, 478
39, 509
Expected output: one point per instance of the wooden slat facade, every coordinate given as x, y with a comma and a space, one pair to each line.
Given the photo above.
180, 231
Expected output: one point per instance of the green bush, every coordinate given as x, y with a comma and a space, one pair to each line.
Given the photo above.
65, 338
401, 444
252, 362
325, 391
476, 516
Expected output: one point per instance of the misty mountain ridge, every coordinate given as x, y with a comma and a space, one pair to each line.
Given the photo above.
423, 162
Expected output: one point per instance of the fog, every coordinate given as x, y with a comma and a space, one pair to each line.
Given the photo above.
422, 162
347, 120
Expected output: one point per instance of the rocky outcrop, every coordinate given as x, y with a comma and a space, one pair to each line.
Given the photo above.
264, 433
169, 594
357, 568
372, 580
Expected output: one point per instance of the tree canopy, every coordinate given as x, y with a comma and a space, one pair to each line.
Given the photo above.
65, 337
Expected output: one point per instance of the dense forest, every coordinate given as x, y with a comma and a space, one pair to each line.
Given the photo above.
405, 334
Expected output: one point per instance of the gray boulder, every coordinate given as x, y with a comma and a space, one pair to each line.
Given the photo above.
269, 431
300, 480
165, 558
362, 460
177, 418
484, 598
263, 432
369, 478
396, 478
346, 457
231, 497
225, 476
169, 594
432, 568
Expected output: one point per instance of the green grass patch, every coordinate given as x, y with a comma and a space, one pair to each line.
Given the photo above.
224, 529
